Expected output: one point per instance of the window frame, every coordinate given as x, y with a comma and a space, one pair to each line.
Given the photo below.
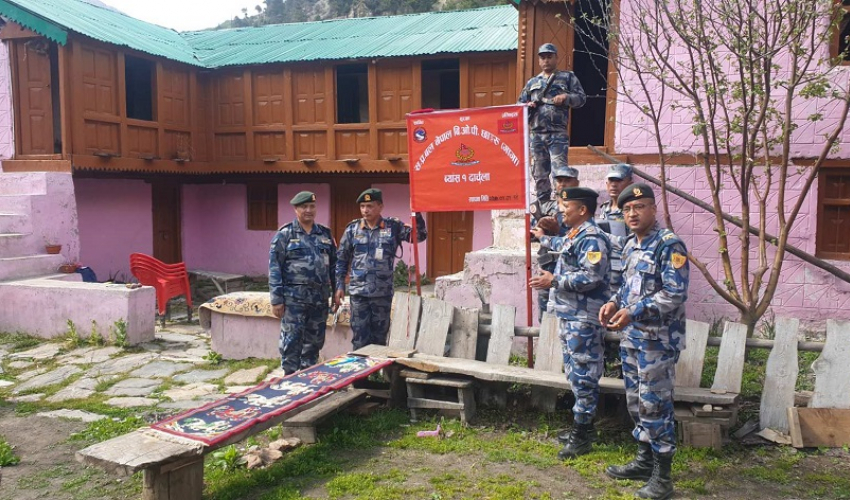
842, 10
264, 195
824, 202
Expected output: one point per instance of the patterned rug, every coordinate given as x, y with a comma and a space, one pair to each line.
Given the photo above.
221, 419
256, 304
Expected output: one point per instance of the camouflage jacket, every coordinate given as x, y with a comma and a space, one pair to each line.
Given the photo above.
655, 288
371, 254
546, 259
580, 285
301, 265
616, 236
546, 117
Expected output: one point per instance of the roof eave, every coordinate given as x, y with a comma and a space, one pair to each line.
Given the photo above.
34, 23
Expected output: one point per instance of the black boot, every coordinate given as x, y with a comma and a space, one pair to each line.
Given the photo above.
639, 468
580, 441
660, 485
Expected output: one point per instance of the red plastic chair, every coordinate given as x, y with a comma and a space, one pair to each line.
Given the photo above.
169, 280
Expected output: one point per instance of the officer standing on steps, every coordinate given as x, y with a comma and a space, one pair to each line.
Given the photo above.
549, 218
368, 246
550, 95
580, 287
301, 277
649, 309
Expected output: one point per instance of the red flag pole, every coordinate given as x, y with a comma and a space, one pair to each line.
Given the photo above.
529, 293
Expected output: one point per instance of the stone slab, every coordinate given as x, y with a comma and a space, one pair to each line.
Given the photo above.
172, 336
181, 355
21, 364
120, 365
47, 379
6, 383
200, 376
85, 416
30, 374
131, 402
246, 377
89, 355
235, 389
160, 369
191, 391
44, 351
138, 387
29, 398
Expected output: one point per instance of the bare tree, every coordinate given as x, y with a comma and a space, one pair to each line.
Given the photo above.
736, 67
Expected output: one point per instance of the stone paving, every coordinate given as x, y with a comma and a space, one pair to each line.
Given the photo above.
167, 375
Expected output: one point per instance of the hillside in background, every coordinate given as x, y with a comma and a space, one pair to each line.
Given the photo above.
296, 11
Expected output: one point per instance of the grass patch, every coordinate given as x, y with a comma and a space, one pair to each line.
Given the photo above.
19, 341
7, 454
107, 428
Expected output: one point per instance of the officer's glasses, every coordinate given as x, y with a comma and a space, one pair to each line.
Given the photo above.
640, 207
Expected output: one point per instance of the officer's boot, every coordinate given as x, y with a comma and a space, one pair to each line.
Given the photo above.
660, 485
639, 468
580, 441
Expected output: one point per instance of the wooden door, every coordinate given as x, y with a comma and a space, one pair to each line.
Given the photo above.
344, 207
167, 245
449, 240
35, 115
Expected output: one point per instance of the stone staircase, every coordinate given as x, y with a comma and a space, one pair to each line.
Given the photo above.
35, 208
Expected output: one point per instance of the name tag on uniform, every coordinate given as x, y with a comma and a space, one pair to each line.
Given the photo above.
379, 253
327, 259
386, 232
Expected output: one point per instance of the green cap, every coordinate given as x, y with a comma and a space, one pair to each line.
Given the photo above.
577, 193
303, 197
371, 194
635, 192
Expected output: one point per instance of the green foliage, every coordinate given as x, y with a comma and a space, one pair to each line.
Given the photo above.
108, 428
95, 338
119, 333
404, 275
213, 358
7, 454
226, 459
72, 337
19, 341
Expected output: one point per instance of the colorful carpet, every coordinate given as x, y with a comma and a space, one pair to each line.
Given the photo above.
222, 419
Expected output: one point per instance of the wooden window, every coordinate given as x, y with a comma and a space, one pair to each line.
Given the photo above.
838, 48
262, 207
441, 84
140, 75
833, 236
352, 93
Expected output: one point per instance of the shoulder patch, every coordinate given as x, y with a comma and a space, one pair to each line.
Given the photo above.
678, 260
594, 257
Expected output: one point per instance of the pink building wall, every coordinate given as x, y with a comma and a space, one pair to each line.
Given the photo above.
7, 136
115, 220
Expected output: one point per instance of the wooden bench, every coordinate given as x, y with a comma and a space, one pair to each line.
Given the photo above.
224, 282
173, 468
423, 326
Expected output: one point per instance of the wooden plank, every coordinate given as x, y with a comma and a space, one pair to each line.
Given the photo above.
816, 427
130, 453
464, 336
550, 355
692, 359
334, 403
780, 377
436, 404
405, 320
406, 374
501, 338
730, 359
183, 483
436, 321
441, 382
832, 371
702, 435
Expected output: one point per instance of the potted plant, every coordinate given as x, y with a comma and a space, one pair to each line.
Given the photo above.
52, 248
68, 267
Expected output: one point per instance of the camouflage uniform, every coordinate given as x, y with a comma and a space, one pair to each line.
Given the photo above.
579, 289
548, 125
613, 223
547, 260
301, 276
654, 290
371, 254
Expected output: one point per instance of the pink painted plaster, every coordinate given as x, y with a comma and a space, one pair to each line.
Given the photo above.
397, 204
115, 220
7, 136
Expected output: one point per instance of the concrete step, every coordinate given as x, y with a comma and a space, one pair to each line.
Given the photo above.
16, 204
16, 268
19, 245
23, 183
11, 222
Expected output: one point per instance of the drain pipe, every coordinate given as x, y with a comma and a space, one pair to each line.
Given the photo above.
804, 256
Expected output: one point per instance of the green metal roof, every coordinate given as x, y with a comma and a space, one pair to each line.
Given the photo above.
479, 30
451, 32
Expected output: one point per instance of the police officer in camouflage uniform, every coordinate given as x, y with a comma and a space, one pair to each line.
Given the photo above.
649, 308
368, 246
550, 95
579, 289
301, 277
549, 218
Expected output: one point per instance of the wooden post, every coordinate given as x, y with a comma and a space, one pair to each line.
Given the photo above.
780, 377
183, 480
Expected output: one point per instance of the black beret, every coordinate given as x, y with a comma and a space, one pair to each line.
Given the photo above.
635, 192
371, 194
303, 197
577, 193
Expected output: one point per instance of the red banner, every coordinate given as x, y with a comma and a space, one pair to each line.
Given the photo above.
468, 159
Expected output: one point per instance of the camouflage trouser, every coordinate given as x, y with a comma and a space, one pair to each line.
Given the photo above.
548, 151
542, 301
370, 320
581, 343
649, 372
302, 335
